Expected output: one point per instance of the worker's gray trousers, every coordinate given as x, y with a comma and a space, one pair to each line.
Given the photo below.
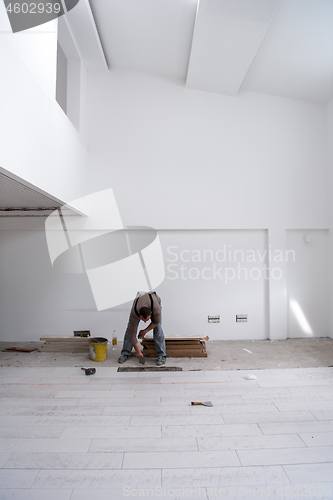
159, 340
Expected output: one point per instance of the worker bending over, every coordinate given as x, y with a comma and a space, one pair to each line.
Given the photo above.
145, 307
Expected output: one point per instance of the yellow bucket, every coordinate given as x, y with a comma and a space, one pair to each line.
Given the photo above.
97, 347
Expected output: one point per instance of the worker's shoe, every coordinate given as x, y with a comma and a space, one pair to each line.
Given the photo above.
122, 358
161, 361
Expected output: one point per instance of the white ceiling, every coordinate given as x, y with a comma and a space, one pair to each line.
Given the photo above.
227, 36
277, 47
153, 36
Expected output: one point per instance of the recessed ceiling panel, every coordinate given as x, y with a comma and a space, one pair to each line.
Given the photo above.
295, 59
153, 36
227, 36
258, 11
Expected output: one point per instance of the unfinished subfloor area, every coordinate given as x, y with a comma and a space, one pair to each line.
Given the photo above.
111, 435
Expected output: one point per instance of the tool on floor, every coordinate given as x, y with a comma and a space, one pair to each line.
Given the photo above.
17, 349
205, 403
142, 360
89, 371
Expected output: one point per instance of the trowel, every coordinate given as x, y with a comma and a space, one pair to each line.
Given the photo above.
204, 403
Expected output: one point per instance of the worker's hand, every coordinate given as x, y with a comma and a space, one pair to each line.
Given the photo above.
142, 334
138, 354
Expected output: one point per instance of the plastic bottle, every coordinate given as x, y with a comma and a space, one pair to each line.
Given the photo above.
114, 340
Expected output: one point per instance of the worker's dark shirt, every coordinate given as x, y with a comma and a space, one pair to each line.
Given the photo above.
156, 316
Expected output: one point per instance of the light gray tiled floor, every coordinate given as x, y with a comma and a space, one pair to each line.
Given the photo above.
67, 436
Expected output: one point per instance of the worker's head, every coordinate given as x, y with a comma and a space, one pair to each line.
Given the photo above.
145, 313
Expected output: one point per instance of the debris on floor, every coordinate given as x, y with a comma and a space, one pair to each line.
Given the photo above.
18, 349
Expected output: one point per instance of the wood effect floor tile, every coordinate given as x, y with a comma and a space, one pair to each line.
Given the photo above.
176, 460
224, 477
286, 456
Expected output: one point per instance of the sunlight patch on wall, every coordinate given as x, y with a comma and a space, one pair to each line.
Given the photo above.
300, 317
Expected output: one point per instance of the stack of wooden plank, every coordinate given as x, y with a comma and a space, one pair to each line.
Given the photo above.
178, 347
64, 344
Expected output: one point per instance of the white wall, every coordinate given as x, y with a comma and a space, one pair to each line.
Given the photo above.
37, 49
202, 168
330, 150
61, 88
207, 273
215, 273
34, 299
308, 284
40, 146
38, 142
187, 159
